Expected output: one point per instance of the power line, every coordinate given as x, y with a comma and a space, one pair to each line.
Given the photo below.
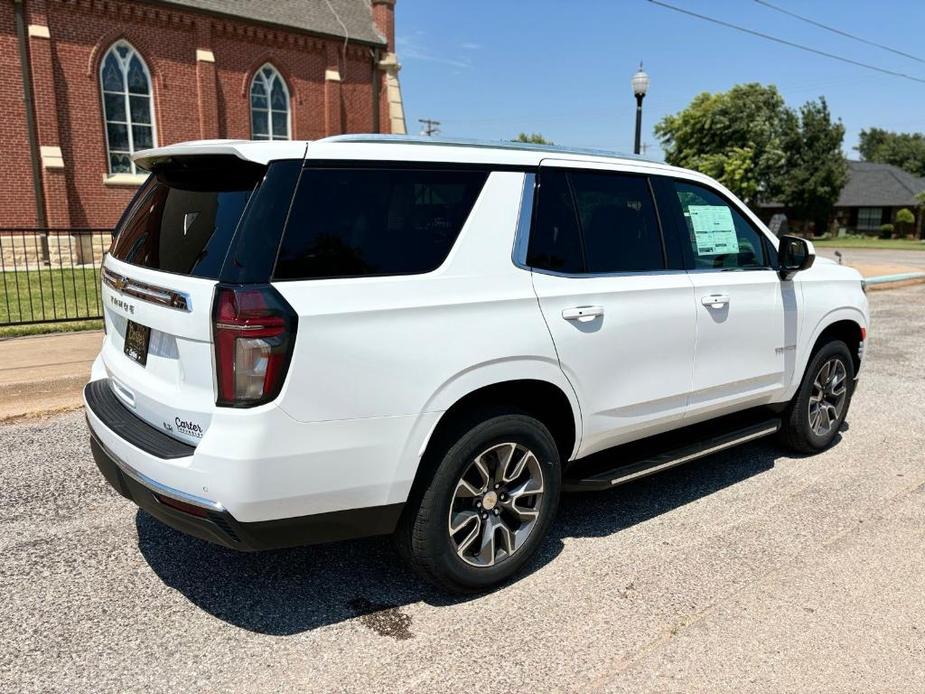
787, 43
838, 31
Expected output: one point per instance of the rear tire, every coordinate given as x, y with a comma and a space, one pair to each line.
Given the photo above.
817, 411
487, 507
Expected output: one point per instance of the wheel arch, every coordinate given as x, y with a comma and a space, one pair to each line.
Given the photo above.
547, 401
846, 324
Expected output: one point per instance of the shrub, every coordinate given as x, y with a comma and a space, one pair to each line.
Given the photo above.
886, 231
904, 220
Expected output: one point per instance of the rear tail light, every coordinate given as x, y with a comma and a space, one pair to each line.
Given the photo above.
254, 330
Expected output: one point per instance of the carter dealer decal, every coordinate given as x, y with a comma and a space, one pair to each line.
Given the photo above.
185, 427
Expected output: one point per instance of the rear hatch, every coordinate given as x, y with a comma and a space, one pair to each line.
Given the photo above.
159, 280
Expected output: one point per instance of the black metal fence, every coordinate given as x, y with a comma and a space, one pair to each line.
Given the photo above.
50, 275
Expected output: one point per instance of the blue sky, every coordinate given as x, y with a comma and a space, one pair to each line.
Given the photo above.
492, 68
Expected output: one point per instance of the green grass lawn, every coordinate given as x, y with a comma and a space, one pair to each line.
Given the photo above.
865, 242
46, 295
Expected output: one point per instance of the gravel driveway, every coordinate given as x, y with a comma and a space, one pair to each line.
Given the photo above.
746, 571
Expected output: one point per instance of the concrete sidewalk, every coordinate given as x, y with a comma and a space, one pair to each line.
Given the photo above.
45, 373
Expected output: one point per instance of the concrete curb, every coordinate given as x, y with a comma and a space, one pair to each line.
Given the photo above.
901, 279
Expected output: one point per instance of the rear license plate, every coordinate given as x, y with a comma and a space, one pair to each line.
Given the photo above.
136, 342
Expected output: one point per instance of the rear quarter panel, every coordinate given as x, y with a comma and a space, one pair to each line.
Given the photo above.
406, 345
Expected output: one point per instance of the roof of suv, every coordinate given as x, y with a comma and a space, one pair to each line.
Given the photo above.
393, 148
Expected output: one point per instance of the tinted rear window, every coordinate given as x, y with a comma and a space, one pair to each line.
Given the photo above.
358, 222
184, 223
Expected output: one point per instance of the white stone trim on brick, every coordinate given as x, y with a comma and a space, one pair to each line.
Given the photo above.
390, 65
204, 55
124, 179
52, 158
332, 76
39, 31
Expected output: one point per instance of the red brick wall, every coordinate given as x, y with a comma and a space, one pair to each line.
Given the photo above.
191, 99
17, 203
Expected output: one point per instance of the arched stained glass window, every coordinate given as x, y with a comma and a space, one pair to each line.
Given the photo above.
127, 106
269, 105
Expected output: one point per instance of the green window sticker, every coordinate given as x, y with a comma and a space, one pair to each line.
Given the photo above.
714, 229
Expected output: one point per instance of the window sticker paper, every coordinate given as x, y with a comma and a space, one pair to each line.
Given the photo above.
714, 229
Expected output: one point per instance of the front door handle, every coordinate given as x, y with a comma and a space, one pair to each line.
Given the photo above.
715, 300
583, 314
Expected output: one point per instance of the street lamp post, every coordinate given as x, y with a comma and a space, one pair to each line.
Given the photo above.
640, 85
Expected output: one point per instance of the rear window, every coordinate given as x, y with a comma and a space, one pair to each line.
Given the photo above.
360, 222
183, 222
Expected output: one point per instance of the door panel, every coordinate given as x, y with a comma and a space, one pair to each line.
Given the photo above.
631, 364
743, 342
745, 315
623, 325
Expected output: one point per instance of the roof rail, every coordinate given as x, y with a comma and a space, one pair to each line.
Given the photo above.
487, 144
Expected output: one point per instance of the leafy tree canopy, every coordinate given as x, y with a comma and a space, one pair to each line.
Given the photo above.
533, 139
815, 168
905, 150
752, 143
735, 137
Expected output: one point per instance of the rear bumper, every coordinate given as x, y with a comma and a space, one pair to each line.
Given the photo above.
205, 518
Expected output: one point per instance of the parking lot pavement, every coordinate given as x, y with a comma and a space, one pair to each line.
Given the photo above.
747, 571
872, 262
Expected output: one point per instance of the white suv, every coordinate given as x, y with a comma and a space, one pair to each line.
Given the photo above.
368, 335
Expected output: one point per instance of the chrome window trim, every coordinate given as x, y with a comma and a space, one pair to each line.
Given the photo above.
524, 221
150, 293
599, 275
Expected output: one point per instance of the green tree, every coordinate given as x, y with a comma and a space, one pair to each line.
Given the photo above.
749, 141
815, 168
736, 137
905, 150
533, 139
904, 219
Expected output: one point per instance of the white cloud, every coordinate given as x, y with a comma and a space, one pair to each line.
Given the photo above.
411, 48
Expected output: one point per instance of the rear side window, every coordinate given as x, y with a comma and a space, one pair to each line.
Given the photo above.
595, 222
183, 222
555, 242
618, 223
719, 235
361, 222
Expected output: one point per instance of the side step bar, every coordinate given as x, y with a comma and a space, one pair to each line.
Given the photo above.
669, 459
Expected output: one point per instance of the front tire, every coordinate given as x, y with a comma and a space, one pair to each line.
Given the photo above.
488, 506
818, 409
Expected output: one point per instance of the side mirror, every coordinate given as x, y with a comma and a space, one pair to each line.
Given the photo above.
793, 255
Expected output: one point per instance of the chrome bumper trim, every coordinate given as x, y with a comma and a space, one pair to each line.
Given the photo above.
157, 487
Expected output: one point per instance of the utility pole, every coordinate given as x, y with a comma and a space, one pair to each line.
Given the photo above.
431, 127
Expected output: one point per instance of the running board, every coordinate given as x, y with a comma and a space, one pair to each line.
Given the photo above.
669, 459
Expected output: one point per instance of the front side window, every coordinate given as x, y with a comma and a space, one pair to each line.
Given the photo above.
127, 106
719, 235
362, 222
269, 105
595, 222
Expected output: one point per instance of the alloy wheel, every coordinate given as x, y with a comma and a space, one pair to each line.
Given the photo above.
496, 504
827, 400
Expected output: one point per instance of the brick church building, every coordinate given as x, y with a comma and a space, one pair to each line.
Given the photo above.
85, 83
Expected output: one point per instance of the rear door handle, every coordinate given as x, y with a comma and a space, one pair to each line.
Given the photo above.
715, 300
582, 314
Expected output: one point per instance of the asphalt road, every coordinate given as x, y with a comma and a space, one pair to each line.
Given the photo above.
747, 571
